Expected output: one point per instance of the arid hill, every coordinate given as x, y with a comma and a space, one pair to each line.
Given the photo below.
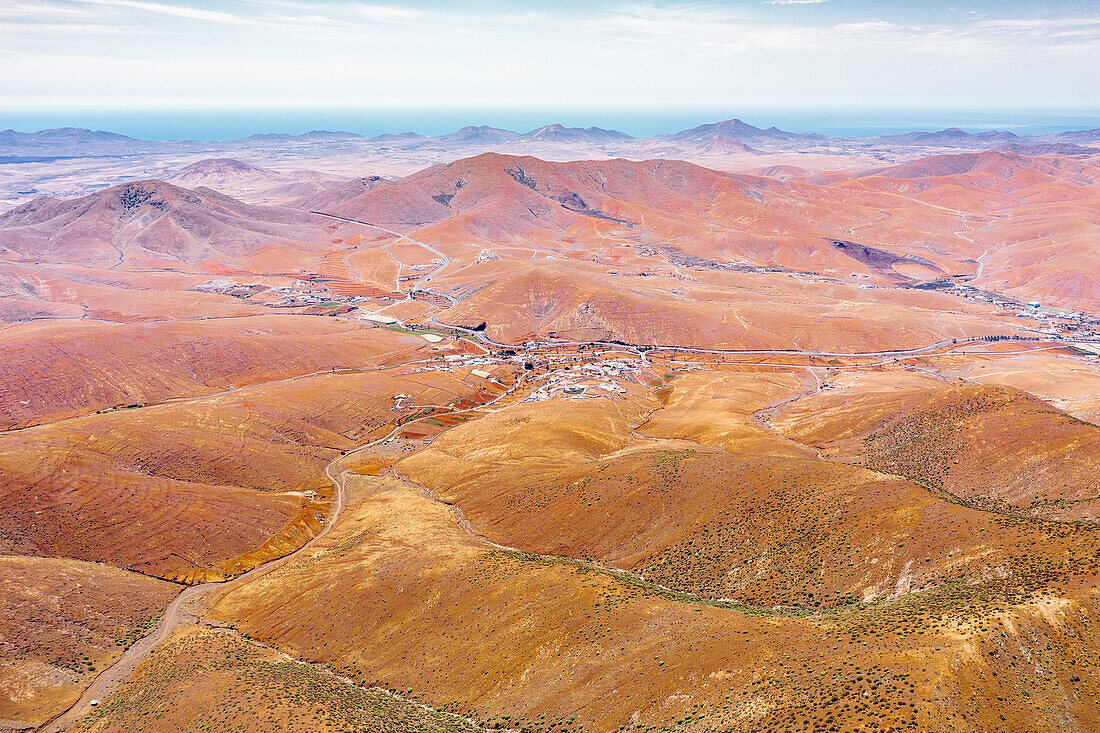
961, 214
735, 310
200, 488
216, 171
328, 198
992, 446
148, 224
63, 622
60, 369
508, 444
250, 182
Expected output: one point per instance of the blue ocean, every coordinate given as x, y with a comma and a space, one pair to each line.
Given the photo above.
229, 124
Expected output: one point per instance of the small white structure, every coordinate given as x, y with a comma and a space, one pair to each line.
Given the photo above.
378, 318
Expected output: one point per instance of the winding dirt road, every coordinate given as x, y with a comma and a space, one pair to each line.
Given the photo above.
179, 610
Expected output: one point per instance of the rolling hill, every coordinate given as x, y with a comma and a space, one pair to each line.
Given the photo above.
148, 224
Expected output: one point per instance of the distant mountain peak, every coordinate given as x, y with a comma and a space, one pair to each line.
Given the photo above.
557, 132
217, 171
739, 130
950, 136
479, 133
311, 136
228, 164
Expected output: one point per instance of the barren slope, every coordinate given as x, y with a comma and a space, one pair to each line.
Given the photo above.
148, 224
61, 622
198, 489
996, 447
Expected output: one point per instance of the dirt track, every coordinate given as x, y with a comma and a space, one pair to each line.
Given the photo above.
178, 611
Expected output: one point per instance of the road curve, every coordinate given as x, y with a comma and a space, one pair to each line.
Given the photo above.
177, 611
400, 236
637, 347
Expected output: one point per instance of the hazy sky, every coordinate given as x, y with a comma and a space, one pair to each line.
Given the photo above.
770, 53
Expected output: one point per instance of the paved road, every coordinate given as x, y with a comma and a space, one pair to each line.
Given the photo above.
481, 336
419, 285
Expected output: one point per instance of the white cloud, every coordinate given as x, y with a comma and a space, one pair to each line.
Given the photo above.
1030, 24
179, 11
389, 13
641, 52
59, 29
38, 11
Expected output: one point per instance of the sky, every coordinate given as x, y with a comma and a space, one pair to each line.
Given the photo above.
161, 54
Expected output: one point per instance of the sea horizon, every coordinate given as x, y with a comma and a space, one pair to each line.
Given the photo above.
221, 124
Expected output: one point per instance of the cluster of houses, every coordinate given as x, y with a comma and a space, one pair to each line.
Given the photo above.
1060, 323
479, 365
305, 294
591, 379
